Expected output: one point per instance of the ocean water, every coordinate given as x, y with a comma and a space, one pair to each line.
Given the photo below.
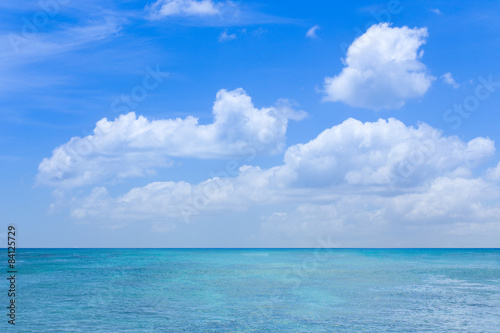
264, 290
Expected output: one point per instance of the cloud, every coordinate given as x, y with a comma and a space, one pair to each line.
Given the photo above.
385, 152
493, 173
440, 214
311, 33
32, 47
408, 174
169, 8
259, 32
210, 13
21, 50
448, 79
382, 69
435, 11
131, 145
224, 36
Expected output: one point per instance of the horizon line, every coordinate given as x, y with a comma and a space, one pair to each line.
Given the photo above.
256, 248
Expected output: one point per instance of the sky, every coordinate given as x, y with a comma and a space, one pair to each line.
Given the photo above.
204, 123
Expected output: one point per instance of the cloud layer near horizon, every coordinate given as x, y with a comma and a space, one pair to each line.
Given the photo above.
382, 69
131, 145
351, 175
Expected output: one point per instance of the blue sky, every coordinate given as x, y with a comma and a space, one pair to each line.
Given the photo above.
255, 124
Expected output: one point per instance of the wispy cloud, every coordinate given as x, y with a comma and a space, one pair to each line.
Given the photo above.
208, 13
311, 33
224, 36
19, 52
63, 40
448, 79
163, 9
167, 8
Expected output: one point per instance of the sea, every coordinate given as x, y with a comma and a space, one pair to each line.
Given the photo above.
255, 290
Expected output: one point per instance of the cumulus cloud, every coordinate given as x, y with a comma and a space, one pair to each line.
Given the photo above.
494, 173
132, 145
385, 152
382, 69
169, 8
176, 201
448, 79
436, 215
311, 33
415, 174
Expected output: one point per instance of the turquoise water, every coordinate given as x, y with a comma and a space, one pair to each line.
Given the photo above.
143, 290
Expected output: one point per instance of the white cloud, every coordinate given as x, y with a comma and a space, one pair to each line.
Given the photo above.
382, 69
32, 47
210, 13
134, 146
169, 8
224, 36
311, 33
385, 152
439, 214
174, 202
22, 48
493, 173
448, 79
259, 32
436, 11
458, 199
322, 178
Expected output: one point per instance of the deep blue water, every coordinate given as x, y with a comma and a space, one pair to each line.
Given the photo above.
241, 290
